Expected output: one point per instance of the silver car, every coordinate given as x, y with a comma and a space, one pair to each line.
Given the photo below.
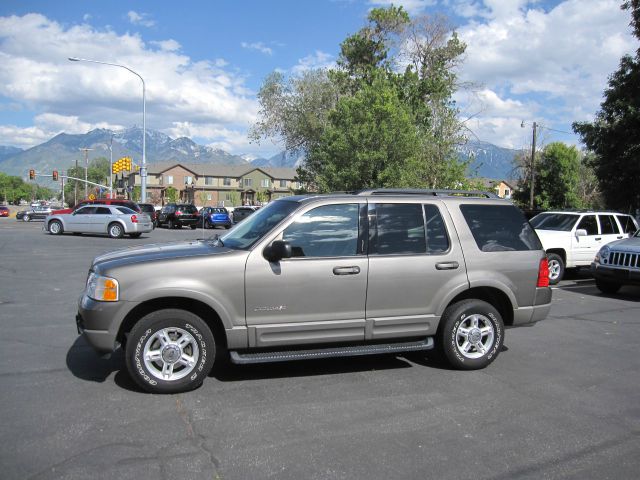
113, 220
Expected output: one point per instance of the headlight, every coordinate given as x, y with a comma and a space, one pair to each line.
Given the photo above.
603, 254
103, 289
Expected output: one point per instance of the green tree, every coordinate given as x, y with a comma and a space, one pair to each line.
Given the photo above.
376, 124
171, 194
98, 172
614, 135
13, 189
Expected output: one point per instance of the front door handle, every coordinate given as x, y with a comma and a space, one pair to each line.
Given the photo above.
598, 239
346, 270
447, 265
620, 237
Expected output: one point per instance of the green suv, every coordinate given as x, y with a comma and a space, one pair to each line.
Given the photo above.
308, 277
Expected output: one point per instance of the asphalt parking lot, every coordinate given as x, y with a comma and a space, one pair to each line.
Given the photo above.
561, 401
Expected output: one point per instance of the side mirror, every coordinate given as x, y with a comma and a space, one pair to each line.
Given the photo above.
581, 232
278, 250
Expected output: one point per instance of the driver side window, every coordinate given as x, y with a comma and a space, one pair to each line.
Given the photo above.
327, 231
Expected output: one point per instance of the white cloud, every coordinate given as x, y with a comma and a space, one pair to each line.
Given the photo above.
316, 60
141, 19
73, 96
259, 46
561, 57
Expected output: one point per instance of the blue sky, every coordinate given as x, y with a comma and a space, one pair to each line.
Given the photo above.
204, 61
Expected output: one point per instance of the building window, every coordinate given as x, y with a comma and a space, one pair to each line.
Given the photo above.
265, 183
227, 182
283, 184
188, 180
168, 179
208, 196
208, 180
227, 197
248, 182
507, 193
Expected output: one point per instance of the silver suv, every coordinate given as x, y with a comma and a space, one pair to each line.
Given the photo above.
307, 277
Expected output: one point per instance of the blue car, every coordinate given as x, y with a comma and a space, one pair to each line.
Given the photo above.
213, 217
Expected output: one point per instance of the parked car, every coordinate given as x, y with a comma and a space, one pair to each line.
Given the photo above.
240, 213
310, 277
102, 201
150, 210
177, 215
572, 239
4, 211
213, 217
113, 220
34, 213
618, 264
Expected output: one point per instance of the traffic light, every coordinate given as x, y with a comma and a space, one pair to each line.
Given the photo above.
55, 175
32, 174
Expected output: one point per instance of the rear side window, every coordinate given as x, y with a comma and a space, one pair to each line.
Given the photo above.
399, 229
103, 211
608, 225
500, 228
627, 224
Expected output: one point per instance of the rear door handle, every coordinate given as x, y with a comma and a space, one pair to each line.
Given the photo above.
447, 265
346, 270
598, 239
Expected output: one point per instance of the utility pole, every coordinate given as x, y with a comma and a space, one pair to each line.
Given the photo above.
533, 165
75, 185
62, 181
86, 168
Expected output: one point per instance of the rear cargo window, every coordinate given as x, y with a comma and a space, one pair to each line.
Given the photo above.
500, 228
627, 223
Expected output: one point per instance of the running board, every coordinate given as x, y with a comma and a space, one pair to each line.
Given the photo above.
331, 352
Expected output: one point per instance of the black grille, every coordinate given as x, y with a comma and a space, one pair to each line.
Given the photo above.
622, 259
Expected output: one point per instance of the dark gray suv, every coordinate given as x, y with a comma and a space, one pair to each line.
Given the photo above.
307, 277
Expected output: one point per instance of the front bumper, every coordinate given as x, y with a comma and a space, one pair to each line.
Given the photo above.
99, 322
621, 275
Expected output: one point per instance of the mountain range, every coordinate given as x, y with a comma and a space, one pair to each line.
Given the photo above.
64, 150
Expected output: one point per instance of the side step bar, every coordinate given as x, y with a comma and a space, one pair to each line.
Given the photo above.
331, 352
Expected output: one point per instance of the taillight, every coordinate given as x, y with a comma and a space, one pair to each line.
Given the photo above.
178, 212
543, 273
134, 219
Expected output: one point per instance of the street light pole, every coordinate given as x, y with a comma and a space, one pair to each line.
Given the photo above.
111, 167
143, 167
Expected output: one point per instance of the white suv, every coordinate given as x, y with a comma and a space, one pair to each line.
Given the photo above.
572, 239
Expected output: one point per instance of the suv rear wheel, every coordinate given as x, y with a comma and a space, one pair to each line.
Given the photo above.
471, 334
170, 351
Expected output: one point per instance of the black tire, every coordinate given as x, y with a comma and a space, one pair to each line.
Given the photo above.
607, 287
227, 227
135, 235
556, 268
172, 325
26, 218
55, 227
171, 224
194, 226
485, 326
115, 230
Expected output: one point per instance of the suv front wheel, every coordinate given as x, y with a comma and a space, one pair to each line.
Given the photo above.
170, 351
471, 334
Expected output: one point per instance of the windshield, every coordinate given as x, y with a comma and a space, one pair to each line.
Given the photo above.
554, 221
245, 234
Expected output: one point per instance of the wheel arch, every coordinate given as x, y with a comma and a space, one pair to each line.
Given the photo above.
493, 296
558, 251
119, 222
204, 311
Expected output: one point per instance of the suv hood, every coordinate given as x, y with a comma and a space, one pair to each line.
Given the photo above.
156, 251
627, 245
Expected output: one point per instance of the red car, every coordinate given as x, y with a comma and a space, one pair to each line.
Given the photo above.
4, 211
100, 201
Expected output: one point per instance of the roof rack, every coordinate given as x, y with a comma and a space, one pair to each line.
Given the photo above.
434, 192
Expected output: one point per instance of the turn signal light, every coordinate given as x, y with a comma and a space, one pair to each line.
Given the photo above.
543, 273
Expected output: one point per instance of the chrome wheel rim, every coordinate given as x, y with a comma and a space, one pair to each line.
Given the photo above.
475, 336
54, 227
554, 269
115, 230
171, 354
